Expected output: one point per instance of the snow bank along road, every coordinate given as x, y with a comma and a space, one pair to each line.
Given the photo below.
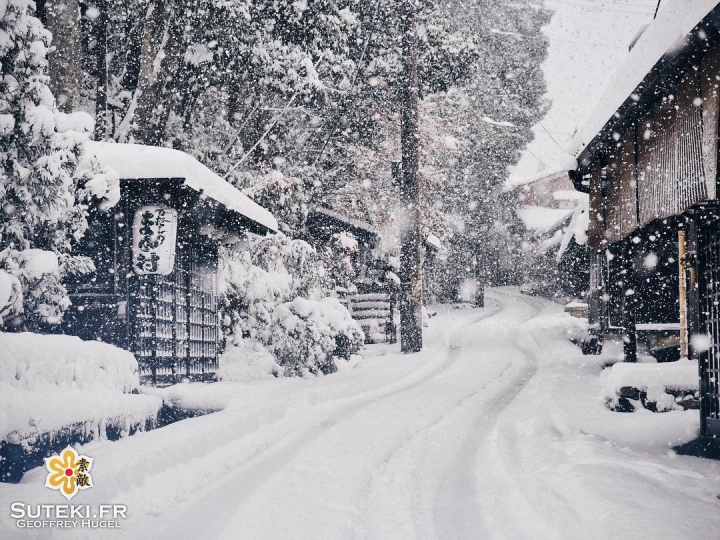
495, 430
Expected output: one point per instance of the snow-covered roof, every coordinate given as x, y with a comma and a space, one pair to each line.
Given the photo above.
541, 219
136, 162
362, 225
664, 36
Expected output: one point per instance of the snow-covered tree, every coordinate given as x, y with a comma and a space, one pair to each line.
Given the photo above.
47, 187
493, 114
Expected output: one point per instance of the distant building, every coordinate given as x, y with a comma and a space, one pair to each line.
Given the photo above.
556, 216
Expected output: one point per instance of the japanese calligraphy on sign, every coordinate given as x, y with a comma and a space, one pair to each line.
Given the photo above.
154, 236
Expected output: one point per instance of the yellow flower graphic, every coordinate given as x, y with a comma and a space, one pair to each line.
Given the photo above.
68, 472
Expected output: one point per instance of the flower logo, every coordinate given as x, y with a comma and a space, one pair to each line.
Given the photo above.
68, 472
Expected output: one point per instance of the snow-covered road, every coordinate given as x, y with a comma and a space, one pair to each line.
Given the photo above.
495, 430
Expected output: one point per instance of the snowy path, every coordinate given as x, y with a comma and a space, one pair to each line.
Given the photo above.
495, 430
363, 470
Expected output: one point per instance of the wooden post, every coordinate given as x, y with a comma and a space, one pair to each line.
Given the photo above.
682, 282
410, 264
692, 293
629, 303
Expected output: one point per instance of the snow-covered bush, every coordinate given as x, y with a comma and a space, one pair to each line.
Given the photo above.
11, 297
248, 295
247, 360
308, 335
273, 293
32, 361
47, 186
280, 254
337, 258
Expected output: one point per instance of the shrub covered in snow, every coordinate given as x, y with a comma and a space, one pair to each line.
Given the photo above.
11, 298
308, 335
247, 359
273, 293
47, 186
337, 258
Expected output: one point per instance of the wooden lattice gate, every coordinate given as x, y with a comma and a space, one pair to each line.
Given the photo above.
174, 325
708, 280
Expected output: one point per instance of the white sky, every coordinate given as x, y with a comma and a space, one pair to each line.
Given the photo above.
588, 39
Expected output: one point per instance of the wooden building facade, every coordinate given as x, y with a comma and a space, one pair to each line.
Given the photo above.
648, 157
154, 290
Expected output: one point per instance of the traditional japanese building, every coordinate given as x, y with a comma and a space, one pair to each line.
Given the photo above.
323, 224
154, 289
648, 157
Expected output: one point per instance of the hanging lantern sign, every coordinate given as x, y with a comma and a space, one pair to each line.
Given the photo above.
154, 236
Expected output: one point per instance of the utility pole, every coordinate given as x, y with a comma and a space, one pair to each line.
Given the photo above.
410, 264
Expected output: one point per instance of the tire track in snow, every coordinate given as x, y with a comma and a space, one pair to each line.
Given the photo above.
272, 458
456, 510
397, 489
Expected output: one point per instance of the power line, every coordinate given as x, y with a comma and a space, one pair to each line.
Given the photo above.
656, 9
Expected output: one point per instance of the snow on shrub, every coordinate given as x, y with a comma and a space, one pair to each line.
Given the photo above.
34, 361
308, 335
272, 293
337, 258
11, 298
247, 360
49, 382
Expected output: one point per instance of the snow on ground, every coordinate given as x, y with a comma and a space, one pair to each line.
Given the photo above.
497, 429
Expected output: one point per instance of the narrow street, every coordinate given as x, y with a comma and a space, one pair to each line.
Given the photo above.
398, 464
495, 430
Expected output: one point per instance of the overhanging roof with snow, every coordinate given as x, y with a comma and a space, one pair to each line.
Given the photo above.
335, 222
668, 39
138, 162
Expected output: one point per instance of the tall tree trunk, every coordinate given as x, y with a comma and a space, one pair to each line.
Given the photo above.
158, 77
62, 18
410, 261
102, 117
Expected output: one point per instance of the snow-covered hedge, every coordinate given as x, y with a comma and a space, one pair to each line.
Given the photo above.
50, 382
